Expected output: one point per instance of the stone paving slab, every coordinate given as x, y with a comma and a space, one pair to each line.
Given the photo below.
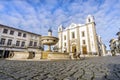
98, 68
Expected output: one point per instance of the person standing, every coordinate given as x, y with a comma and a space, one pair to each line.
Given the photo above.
71, 55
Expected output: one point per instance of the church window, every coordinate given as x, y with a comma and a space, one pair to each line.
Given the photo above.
83, 34
64, 44
88, 19
83, 41
59, 29
73, 35
64, 37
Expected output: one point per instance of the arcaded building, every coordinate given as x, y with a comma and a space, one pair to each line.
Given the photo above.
79, 38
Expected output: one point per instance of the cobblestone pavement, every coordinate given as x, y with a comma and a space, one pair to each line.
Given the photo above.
99, 68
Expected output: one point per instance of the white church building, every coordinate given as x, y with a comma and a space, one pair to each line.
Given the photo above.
79, 38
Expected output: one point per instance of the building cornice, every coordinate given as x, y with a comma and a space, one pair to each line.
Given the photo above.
1, 25
77, 26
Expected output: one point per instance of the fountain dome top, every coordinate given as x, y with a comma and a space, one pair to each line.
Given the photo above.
49, 30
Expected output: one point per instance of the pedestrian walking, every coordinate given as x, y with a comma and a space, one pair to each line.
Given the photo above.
78, 55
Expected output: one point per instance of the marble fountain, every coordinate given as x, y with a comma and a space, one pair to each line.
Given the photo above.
48, 54
49, 41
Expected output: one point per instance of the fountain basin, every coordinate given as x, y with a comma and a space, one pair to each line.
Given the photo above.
54, 55
49, 40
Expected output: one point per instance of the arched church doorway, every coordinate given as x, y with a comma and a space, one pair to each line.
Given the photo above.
74, 48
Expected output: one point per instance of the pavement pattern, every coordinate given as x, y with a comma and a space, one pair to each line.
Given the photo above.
98, 68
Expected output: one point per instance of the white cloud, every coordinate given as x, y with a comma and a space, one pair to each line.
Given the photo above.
1, 7
37, 16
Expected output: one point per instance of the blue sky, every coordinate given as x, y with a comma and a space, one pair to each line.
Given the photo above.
38, 15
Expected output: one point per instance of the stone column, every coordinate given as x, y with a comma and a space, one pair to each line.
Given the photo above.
49, 48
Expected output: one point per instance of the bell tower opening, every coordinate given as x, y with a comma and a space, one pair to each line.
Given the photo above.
90, 19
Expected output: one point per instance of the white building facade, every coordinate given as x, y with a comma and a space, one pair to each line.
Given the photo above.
101, 47
114, 46
79, 38
16, 40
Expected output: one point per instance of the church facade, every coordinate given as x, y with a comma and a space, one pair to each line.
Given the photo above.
79, 38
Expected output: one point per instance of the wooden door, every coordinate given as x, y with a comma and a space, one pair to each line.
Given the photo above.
73, 49
84, 49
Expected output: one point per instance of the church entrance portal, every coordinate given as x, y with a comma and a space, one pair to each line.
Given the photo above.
74, 48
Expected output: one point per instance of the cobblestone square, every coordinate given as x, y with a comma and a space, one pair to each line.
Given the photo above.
98, 68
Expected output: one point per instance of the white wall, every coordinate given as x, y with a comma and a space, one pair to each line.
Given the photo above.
15, 37
81, 29
92, 39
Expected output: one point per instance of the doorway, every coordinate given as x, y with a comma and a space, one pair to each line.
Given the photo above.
6, 54
31, 55
84, 49
74, 48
